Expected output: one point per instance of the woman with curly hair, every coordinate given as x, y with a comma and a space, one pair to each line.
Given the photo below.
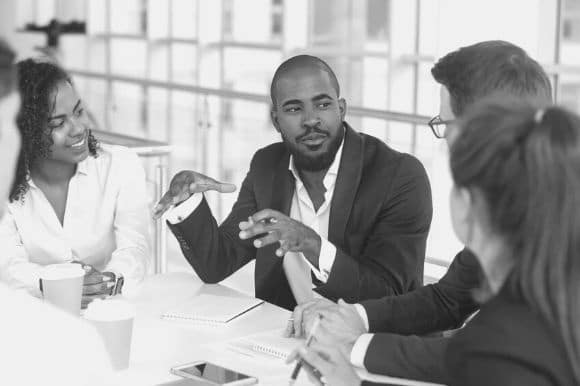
72, 200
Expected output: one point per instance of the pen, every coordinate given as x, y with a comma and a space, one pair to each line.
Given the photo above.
308, 341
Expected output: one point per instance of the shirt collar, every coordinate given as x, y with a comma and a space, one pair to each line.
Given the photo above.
82, 168
332, 170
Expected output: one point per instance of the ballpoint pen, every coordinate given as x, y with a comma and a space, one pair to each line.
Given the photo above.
308, 342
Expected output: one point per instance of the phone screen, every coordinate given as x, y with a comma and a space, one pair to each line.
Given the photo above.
214, 373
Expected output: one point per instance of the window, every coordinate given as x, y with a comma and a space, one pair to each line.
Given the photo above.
377, 19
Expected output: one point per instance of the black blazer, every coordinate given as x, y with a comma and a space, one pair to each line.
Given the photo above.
379, 219
440, 306
508, 343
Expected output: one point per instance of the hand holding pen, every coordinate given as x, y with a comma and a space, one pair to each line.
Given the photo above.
300, 362
325, 364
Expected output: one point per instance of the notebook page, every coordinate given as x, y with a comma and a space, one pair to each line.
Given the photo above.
272, 343
212, 308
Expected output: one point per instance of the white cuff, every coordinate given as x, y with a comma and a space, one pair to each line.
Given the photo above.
363, 315
179, 213
359, 350
325, 260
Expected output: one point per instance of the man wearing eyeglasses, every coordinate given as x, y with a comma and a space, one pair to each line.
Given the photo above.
466, 76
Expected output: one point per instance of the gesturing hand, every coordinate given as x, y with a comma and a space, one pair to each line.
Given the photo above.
291, 234
183, 185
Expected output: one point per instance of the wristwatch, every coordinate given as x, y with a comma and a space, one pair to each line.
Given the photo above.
118, 279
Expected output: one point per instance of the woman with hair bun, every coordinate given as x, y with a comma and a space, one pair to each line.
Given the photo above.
516, 205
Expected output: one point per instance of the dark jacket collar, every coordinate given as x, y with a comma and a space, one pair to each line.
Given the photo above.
347, 182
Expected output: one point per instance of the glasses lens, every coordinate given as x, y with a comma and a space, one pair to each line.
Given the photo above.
437, 126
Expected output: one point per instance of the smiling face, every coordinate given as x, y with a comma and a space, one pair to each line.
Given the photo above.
69, 125
308, 115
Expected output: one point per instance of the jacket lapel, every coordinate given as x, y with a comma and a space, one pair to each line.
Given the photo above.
283, 186
347, 183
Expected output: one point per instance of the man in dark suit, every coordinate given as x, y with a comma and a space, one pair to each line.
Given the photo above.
327, 210
466, 76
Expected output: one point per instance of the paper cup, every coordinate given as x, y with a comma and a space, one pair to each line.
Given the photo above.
113, 319
62, 286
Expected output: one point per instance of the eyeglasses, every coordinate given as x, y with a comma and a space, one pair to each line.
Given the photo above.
439, 126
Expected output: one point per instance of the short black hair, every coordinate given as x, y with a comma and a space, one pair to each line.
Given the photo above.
487, 68
7, 69
306, 61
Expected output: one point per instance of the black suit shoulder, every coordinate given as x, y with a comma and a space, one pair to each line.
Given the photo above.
508, 343
391, 172
269, 156
379, 155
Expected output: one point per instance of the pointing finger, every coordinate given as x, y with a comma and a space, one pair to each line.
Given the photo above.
209, 184
266, 214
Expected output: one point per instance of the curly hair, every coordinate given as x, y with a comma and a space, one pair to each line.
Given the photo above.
37, 82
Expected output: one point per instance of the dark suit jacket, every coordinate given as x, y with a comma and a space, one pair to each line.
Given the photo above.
508, 343
379, 219
440, 306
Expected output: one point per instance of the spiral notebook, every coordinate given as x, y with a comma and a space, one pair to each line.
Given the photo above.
271, 343
212, 309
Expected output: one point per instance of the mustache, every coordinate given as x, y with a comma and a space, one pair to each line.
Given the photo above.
310, 132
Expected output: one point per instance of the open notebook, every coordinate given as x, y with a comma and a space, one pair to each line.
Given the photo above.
271, 343
212, 309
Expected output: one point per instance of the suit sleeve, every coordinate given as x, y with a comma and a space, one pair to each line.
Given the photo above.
410, 357
436, 307
391, 262
484, 370
215, 252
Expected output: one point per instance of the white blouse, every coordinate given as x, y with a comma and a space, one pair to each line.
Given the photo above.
106, 223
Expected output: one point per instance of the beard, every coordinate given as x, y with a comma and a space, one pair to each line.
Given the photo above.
314, 162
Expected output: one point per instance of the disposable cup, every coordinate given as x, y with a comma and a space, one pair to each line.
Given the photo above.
62, 286
113, 319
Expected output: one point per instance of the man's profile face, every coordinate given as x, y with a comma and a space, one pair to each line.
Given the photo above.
446, 114
9, 145
309, 115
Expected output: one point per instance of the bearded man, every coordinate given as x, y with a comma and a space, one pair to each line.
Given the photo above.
328, 211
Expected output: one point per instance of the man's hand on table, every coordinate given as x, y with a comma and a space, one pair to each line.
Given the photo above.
304, 315
276, 227
183, 185
328, 361
341, 324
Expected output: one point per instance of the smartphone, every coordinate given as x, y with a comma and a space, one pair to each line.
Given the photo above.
212, 374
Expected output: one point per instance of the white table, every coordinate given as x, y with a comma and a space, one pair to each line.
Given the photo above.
160, 344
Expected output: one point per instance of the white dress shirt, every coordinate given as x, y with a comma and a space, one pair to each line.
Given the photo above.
360, 347
302, 209
106, 223
42, 345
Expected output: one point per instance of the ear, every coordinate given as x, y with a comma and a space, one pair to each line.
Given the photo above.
465, 202
461, 213
342, 108
274, 118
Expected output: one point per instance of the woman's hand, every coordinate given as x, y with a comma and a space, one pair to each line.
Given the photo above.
96, 284
335, 368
